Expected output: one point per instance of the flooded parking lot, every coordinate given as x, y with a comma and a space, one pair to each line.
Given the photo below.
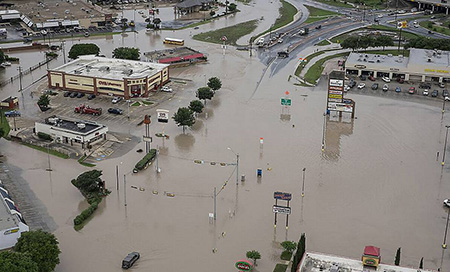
377, 182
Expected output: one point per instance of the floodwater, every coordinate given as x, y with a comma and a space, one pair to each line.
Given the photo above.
376, 183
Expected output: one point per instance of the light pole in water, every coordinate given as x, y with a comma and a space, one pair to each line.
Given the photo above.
444, 245
237, 164
445, 144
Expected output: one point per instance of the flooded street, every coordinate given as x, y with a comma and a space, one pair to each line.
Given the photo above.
376, 183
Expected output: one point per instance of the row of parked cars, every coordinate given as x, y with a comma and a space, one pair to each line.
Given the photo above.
78, 95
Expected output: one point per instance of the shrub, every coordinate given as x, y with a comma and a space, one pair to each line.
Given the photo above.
44, 136
147, 159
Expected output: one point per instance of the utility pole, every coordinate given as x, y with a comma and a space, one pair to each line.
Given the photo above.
303, 185
215, 204
445, 144
48, 157
157, 160
444, 245
237, 165
20, 78
125, 189
117, 177
63, 46
323, 131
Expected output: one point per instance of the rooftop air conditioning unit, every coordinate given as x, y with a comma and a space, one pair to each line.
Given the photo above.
81, 126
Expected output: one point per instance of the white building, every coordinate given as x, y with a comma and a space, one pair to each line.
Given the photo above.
421, 65
11, 222
72, 131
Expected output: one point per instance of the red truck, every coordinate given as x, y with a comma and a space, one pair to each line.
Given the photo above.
88, 110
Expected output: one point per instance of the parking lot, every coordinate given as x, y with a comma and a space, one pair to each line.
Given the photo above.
404, 88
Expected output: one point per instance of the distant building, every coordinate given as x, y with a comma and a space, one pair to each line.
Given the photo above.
190, 6
98, 75
11, 221
176, 57
422, 65
72, 131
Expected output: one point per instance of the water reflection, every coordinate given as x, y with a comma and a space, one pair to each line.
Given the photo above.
335, 128
185, 142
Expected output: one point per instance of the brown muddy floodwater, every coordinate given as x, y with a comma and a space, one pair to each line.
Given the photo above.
376, 183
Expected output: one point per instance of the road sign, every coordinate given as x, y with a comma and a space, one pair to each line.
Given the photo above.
281, 209
286, 101
402, 24
244, 265
224, 38
163, 115
282, 196
147, 139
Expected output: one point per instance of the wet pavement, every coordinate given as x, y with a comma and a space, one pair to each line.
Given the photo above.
377, 182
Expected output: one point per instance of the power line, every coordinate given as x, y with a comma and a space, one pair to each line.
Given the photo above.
201, 161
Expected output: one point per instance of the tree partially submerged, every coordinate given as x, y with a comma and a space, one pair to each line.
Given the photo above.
214, 83
128, 53
254, 255
83, 49
204, 93
196, 106
42, 247
184, 117
17, 262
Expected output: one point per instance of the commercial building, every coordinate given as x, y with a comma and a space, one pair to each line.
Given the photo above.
422, 65
433, 5
11, 222
99, 75
72, 131
176, 57
315, 262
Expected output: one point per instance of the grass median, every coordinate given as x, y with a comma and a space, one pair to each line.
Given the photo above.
46, 150
233, 33
287, 12
431, 26
317, 14
335, 3
405, 34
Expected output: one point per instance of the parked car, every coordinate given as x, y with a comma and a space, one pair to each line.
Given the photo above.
375, 86
66, 94
412, 90
346, 88
319, 27
115, 111
445, 93
116, 100
398, 90
80, 95
425, 85
385, 88
362, 77
386, 79
371, 78
400, 80
435, 93
12, 113
130, 259
425, 92
166, 89
352, 83
91, 96
361, 85
73, 95
447, 202
442, 84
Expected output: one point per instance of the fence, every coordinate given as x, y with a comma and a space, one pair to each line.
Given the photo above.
25, 72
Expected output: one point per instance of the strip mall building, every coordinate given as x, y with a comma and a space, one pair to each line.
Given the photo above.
99, 75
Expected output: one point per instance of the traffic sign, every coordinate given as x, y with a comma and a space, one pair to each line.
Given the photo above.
282, 196
286, 101
281, 209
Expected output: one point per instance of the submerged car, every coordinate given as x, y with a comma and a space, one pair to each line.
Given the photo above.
130, 259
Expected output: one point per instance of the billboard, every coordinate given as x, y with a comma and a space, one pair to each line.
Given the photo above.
282, 196
340, 107
163, 116
281, 209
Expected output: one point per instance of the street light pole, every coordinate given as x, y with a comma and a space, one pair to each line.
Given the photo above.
237, 165
303, 185
63, 43
444, 245
215, 203
443, 106
323, 132
20, 78
125, 189
445, 144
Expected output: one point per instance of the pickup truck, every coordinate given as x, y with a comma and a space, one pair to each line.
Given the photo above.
88, 110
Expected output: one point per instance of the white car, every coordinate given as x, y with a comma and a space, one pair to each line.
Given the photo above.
361, 85
280, 40
346, 88
447, 202
425, 92
166, 89
386, 79
116, 100
380, 16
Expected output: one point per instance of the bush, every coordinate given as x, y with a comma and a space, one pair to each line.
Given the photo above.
44, 136
147, 159
87, 212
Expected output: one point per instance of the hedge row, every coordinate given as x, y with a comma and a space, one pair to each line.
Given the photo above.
147, 159
88, 212
44, 136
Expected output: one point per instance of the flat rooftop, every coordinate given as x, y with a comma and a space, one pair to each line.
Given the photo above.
172, 54
375, 60
7, 220
436, 57
313, 262
78, 127
108, 68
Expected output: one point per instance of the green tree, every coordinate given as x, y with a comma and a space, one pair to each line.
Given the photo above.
204, 93
421, 264
2, 132
254, 255
289, 246
232, 7
17, 262
384, 41
2, 56
44, 100
42, 247
350, 42
196, 106
397, 256
83, 49
89, 182
301, 248
212, 13
214, 83
128, 53
184, 117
